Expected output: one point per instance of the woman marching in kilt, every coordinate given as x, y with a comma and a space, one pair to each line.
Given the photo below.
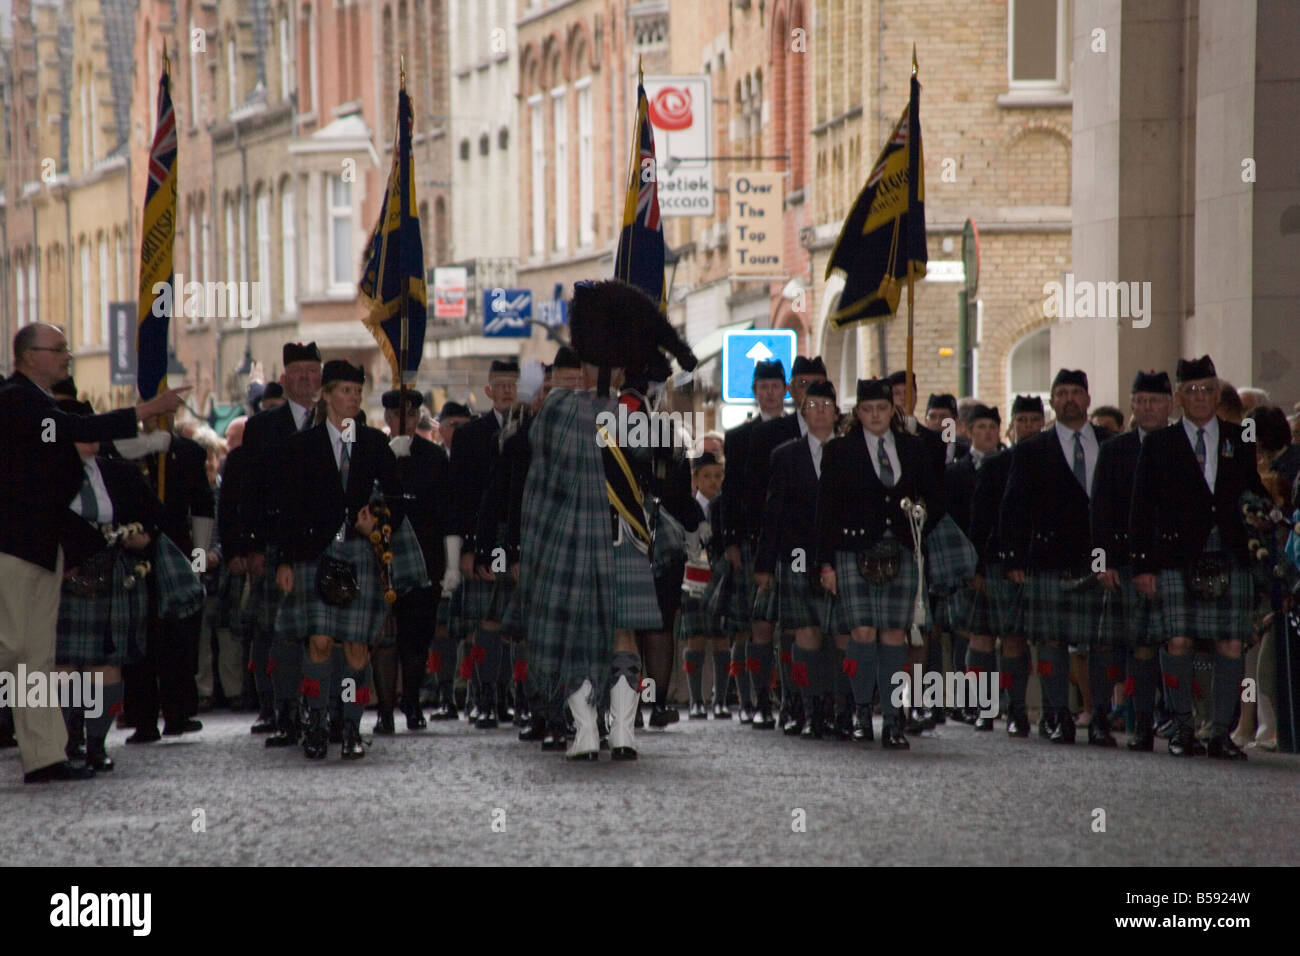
104, 606
341, 567
864, 546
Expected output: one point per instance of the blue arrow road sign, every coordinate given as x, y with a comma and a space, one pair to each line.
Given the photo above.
741, 351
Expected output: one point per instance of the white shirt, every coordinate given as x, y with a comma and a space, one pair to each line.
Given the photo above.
705, 529
336, 442
873, 448
976, 457
1211, 447
501, 419
816, 447
1089, 441
301, 414
102, 501
803, 425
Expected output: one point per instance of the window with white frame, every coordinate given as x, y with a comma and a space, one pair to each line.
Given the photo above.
538, 179
264, 256
286, 58
560, 116
87, 296
1038, 45
289, 248
85, 127
342, 268
232, 273
94, 125
121, 267
232, 74
103, 290
243, 239
208, 250
586, 167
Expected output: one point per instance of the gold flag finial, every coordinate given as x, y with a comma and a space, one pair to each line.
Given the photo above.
401, 71
640, 75
167, 63
914, 59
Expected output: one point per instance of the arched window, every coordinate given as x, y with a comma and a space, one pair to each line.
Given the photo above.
1029, 366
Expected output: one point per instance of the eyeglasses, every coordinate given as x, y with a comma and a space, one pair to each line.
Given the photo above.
61, 350
1197, 389
819, 403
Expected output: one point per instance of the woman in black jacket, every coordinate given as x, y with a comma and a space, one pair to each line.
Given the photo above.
864, 545
340, 566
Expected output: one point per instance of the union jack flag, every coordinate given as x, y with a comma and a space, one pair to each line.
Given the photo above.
640, 259
157, 237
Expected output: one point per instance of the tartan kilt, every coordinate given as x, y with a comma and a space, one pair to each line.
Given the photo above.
407, 572
106, 630
694, 620
472, 603
636, 602
443, 616
950, 558
739, 592
179, 589
1229, 618
302, 612
799, 606
888, 606
512, 618
1130, 618
1053, 614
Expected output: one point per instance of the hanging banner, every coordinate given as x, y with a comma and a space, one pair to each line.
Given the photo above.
757, 236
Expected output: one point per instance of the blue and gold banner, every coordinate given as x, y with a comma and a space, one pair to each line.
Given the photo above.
158, 235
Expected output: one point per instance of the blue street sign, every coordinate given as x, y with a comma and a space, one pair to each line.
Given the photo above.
555, 312
506, 313
742, 350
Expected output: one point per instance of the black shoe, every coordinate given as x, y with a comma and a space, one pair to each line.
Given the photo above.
983, 723
1063, 729
1142, 738
1018, 723
621, 753
536, 730
353, 748
814, 728
8, 741
265, 724
97, 758
444, 710
720, 711
145, 735
957, 715
763, 717
555, 738
1184, 743
415, 718
843, 725
1047, 724
794, 725
63, 770
746, 714
486, 698
697, 711
863, 732
1165, 729
288, 728
316, 735
187, 726
891, 737
75, 751
1099, 734
1222, 748
938, 715
385, 726
661, 715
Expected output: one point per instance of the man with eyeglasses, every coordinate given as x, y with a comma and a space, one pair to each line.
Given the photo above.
40, 474
1190, 551
1130, 619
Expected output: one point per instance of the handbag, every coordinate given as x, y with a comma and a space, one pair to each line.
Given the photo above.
336, 582
94, 577
879, 562
1207, 577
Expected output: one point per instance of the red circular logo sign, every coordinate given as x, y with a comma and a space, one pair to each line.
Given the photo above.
671, 109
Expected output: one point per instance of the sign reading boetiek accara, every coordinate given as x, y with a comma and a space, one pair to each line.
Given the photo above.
756, 233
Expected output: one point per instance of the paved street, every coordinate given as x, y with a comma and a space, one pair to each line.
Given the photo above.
702, 793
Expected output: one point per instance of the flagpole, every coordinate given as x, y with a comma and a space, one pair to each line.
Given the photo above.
910, 383
404, 198
164, 421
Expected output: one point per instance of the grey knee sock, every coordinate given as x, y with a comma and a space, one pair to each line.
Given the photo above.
721, 659
97, 727
487, 670
1103, 673
353, 709
1141, 687
1178, 684
1228, 672
762, 674
1054, 676
316, 682
860, 664
892, 659
338, 664
693, 664
805, 676
626, 664
786, 660
1017, 671
285, 666
737, 670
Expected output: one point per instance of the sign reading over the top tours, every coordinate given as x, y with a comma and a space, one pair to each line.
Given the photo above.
681, 114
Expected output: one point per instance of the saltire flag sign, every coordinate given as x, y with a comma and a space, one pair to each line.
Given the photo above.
640, 259
158, 236
884, 234
394, 260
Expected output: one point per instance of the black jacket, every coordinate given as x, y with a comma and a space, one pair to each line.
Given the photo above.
232, 527
498, 522
790, 514
986, 500
472, 453
186, 490
426, 500
1043, 522
40, 469
854, 509
763, 440
959, 487
316, 505
133, 501
1112, 497
1173, 510
266, 438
